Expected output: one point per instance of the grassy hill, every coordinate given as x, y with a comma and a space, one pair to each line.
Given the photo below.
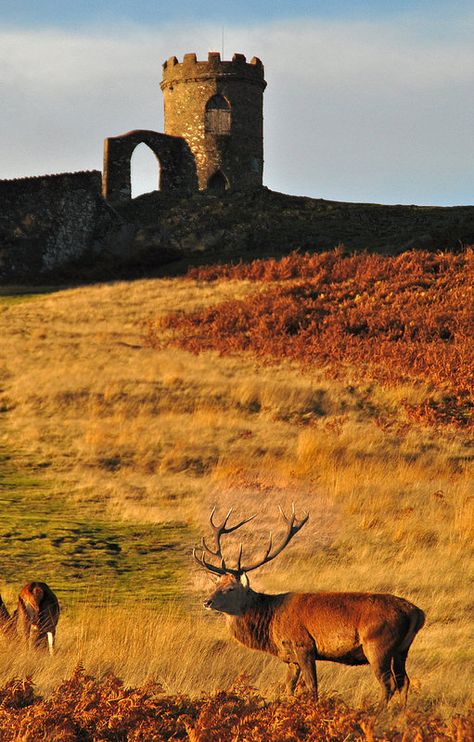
116, 444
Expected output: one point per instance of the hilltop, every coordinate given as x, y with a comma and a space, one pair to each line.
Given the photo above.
162, 233
265, 222
262, 223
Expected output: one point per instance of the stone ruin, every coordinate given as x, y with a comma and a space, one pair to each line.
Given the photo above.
213, 141
213, 136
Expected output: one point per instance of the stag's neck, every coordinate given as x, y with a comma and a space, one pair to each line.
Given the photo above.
253, 627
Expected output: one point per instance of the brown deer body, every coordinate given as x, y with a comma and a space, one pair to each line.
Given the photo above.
37, 616
300, 628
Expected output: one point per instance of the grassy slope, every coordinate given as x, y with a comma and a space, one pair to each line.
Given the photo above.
86, 558
116, 440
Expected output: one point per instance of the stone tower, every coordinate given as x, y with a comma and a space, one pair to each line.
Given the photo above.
217, 107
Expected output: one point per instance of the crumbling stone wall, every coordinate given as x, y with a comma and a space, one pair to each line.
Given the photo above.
51, 220
177, 171
230, 159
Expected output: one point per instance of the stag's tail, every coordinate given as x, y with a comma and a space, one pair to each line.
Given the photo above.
417, 620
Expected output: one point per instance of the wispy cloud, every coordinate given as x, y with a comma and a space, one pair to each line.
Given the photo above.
358, 111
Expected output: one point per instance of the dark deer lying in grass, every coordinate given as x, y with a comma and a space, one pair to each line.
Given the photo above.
300, 628
37, 616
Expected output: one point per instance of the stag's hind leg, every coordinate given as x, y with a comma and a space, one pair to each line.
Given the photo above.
381, 663
402, 681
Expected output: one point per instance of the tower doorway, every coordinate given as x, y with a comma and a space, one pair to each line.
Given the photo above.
218, 183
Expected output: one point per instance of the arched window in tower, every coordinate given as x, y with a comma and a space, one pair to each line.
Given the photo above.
217, 115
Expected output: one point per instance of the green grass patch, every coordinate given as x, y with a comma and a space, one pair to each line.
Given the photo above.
85, 559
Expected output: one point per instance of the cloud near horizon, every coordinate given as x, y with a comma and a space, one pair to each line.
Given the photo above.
353, 111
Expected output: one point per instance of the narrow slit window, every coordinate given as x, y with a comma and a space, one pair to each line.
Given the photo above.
217, 115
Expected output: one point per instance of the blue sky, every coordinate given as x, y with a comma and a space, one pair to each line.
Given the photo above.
89, 12
366, 101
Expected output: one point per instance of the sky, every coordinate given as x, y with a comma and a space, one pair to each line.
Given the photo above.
366, 101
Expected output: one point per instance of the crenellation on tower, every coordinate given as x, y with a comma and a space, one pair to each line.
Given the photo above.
190, 58
214, 58
175, 71
171, 62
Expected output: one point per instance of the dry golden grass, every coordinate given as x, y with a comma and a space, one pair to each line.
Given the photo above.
136, 435
191, 654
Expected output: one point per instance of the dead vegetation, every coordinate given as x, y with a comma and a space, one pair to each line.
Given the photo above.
87, 708
395, 319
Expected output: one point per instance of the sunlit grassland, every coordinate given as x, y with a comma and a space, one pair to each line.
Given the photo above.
117, 452
88, 559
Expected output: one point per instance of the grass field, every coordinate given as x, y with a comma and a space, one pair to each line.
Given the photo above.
113, 453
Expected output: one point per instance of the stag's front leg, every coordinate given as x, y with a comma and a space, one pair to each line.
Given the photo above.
307, 662
34, 639
23, 627
292, 676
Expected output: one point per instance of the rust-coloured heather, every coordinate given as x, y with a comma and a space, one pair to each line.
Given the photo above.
408, 317
85, 708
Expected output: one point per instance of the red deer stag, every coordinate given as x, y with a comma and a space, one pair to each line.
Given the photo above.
37, 616
300, 628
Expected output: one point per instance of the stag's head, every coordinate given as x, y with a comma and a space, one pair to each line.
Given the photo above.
233, 595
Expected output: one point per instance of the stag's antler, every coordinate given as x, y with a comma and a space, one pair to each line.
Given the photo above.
219, 531
293, 526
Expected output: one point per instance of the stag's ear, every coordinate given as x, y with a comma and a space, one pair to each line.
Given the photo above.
244, 580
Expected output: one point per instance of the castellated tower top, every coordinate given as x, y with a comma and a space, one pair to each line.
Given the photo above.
216, 106
190, 68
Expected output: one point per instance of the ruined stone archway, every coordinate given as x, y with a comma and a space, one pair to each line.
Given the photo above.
177, 171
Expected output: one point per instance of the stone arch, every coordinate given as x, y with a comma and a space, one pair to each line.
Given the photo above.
177, 165
218, 183
218, 115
